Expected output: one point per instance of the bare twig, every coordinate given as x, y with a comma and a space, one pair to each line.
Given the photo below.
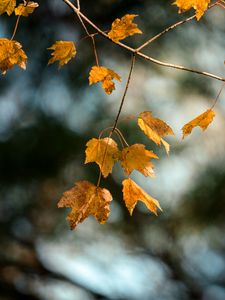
91, 36
125, 91
172, 27
140, 54
218, 95
118, 133
164, 31
78, 4
221, 5
25, 3
16, 27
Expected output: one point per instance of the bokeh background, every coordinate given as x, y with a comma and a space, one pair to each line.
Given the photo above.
46, 117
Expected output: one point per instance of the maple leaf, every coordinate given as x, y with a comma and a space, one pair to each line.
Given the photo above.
136, 157
104, 152
63, 51
133, 193
25, 10
7, 6
122, 28
11, 54
104, 75
86, 199
202, 121
200, 6
154, 128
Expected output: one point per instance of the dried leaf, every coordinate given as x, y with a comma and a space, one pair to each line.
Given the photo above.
122, 28
104, 75
136, 157
25, 10
11, 54
154, 128
63, 51
133, 193
7, 6
202, 121
86, 199
200, 6
104, 152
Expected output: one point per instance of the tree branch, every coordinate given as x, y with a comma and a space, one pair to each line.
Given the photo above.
140, 54
125, 92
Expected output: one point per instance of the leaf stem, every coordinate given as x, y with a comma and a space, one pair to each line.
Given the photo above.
218, 95
16, 27
125, 91
118, 133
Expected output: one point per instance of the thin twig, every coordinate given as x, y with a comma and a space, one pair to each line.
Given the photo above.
16, 27
88, 33
221, 5
218, 95
164, 31
223, 2
168, 29
119, 135
178, 67
125, 91
140, 54
78, 4
25, 3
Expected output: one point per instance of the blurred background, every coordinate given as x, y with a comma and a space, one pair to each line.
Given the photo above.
46, 117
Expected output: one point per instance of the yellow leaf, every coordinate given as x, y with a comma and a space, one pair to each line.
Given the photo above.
122, 28
86, 199
200, 6
63, 51
104, 75
202, 121
136, 157
133, 193
154, 128
11, 54
25, 10
7, 6
104, 152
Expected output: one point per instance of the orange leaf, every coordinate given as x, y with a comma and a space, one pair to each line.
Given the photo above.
154, 128
11, 54
7, 6
122, 28
133, 193
202, 121
63, 51
136, 157
86, 199
200, 6
25, 10
104, 75
104, 152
